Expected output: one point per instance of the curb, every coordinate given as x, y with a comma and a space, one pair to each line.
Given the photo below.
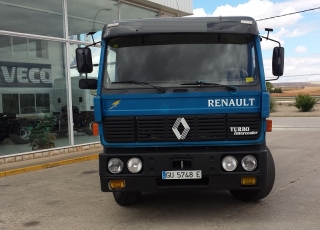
48, 165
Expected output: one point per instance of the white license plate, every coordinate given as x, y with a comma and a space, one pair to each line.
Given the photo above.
193, 174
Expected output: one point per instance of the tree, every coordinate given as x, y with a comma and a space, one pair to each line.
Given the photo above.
269, 86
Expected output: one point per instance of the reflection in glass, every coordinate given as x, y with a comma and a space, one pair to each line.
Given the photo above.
32, 76
19, 47
82, 100
96, 14
43, 17
43, 102
10, 103
37, 48
5, 45
26, 92
27, 103
128, 11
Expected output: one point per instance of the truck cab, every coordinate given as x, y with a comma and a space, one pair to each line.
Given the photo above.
182, 103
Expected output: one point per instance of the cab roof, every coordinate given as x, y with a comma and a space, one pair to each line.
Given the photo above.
234, 25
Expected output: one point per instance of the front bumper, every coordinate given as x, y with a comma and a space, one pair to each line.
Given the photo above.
206, 159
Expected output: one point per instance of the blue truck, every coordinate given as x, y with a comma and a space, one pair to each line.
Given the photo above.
182, 103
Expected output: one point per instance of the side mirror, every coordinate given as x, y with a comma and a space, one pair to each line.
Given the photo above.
88, 83
84, 60
278, 61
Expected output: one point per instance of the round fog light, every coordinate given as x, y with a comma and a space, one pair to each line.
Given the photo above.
134, 165
115, 165
249, 163
229, 163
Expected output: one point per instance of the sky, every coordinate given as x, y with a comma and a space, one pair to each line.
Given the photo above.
299, 33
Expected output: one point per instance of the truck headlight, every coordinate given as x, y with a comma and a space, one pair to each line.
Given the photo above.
249, 163
115, 165
229, 163
134, 165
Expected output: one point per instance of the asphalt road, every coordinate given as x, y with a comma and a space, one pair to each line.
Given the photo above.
69, 197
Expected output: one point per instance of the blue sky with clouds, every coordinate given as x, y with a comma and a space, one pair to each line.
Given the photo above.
299, 34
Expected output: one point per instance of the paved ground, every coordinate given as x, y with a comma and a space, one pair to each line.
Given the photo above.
69, 197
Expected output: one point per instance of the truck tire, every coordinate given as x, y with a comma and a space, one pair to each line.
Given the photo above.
258, 194
88, 128
20, 134
126, 198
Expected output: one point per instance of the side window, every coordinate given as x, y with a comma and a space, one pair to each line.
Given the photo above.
253, 57
111, 66
254, 63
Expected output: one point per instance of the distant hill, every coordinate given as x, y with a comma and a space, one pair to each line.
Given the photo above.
295, 84
291, 89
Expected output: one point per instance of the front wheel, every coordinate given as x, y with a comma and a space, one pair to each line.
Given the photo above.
258, 194
126, 198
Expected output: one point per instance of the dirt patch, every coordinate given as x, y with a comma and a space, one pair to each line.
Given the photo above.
286, 108
294, 91
289, 110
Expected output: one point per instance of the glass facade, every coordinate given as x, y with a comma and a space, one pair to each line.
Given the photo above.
32, 16
39, 94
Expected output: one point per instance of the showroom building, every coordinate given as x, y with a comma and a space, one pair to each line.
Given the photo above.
38, 77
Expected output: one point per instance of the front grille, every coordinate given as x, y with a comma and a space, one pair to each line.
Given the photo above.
119, 129
202, 128
159, 128
151, 129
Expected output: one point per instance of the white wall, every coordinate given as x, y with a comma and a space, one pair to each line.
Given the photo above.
182, 5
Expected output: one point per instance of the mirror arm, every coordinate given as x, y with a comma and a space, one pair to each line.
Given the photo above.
267, 38
94, 43
272, 79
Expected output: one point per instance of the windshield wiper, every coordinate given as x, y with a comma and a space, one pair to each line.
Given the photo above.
159, 88
234, 89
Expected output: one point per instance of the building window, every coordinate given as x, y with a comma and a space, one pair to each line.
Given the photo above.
26, 103
10, 103
19, 47
40, 17
5, 45
38, 48
23, 47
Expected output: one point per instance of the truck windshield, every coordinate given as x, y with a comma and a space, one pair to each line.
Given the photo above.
170, 60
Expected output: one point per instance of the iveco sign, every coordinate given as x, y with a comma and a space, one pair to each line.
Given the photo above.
13, 74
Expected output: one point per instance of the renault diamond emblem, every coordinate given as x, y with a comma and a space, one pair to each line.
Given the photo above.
180, 120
